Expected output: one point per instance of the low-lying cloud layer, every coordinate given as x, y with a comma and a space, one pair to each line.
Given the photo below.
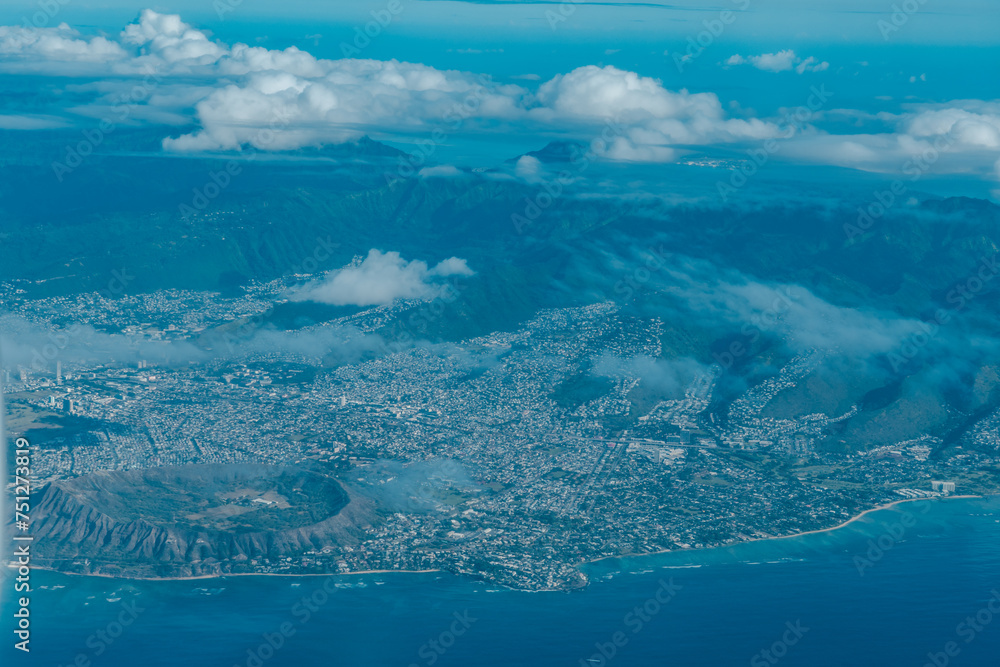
667, 377
38, 347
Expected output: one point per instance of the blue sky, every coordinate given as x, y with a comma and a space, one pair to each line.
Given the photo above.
958, 22
683, 82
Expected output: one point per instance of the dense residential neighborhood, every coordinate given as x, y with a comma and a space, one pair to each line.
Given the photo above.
513, 457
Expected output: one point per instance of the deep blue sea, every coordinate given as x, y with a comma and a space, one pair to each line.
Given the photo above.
902, 586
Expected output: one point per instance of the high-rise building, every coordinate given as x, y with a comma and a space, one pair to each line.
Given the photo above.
58, 372
943, 487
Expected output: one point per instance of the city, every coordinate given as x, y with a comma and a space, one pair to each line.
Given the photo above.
513, 458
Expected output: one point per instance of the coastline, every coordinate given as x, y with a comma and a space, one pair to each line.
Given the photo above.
844, 524
869, 511
584, 564
223, 575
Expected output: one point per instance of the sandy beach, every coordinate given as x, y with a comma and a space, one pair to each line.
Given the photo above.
785, 537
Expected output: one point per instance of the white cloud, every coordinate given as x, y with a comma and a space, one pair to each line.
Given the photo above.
529, 169
382, 278
453, 266
669, 377
53, 49
974, 126
782, 61
774, 62
608, 91
647, 120
279, 100
276, 109
811, 64
239, 95
962, 136
165, 38
441, 171
805, 321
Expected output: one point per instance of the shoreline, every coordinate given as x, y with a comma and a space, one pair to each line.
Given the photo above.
844, 524
584, 564
223, 575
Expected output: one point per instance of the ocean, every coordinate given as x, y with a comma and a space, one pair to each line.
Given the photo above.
916, 584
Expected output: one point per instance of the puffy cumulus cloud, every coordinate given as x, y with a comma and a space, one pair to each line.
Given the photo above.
160, 44
164, 44
287, 99
971, 124
156, 43
453, 266
605, 92
770, 62
782, 61
53, 50
646, 121
280, 100
244, 59
270, 99
962, 136
278, 110
165, 39
380, 279
529, 169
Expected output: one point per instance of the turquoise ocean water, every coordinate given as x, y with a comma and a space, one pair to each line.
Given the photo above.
903, 586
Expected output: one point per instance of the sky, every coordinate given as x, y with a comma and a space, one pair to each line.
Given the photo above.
837, 83
958, 22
